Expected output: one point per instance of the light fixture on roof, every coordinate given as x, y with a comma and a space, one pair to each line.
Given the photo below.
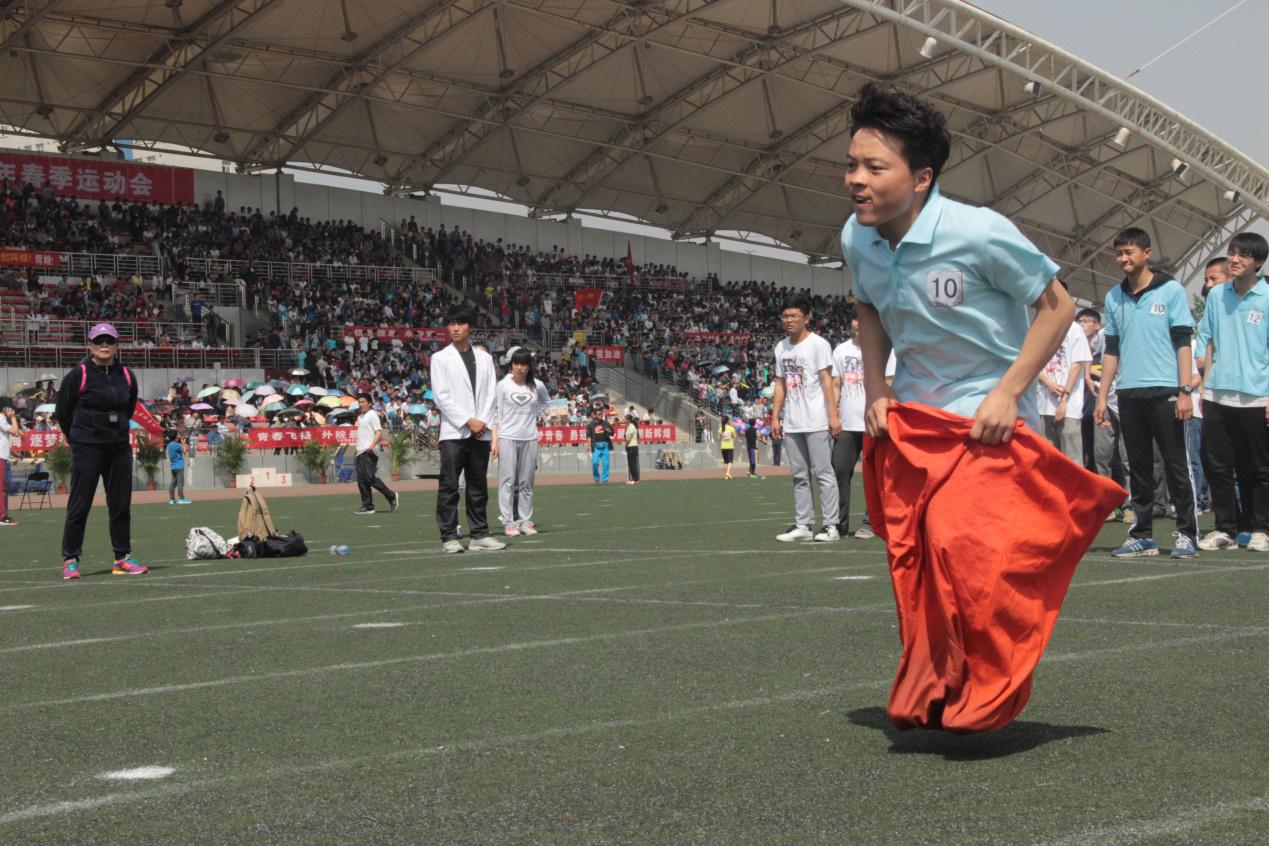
1232, 196
380, 160
1032, 88
1121, 137
1179, 168
522, 180
221, 137
929, 47
506, 73
661, 208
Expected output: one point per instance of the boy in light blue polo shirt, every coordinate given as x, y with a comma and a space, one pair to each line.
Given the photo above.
945, 285
1148, 330
1235, 329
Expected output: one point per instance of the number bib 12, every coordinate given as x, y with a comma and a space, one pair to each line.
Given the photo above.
945, 288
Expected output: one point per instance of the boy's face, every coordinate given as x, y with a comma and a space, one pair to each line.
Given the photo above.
1132, 258
459, 332
878, 179
1089, 324
1217, 274
1241, 264
794, 321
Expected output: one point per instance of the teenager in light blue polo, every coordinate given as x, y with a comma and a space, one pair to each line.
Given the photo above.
1148, 330
1235, 329
945, 285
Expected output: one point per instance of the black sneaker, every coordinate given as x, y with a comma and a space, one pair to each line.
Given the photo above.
8, 522
363, 511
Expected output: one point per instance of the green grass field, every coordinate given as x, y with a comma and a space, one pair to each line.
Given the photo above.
652, 668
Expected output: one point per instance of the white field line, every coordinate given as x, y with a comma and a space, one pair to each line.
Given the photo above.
54, 809
520, 646
1172, 828
1157, 576
1102, 621
1153, 644
1125, 834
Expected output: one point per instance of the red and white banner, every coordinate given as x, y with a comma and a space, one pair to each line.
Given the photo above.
576, 435
265, 438
587, 298
405, 333
15, 257
716, 337
92, 179
607, 354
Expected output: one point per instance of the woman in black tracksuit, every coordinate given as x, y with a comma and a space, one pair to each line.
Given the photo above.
94, 407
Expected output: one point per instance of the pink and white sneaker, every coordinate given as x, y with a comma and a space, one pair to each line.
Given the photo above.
510, 530
528, 528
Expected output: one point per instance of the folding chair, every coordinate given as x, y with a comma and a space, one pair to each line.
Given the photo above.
37, 483
344, 469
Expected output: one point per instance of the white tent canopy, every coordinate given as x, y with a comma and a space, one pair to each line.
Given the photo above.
696, 115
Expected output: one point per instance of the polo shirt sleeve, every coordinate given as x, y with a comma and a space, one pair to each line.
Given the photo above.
1179, 314
1205, 328
851, 256
1014, 265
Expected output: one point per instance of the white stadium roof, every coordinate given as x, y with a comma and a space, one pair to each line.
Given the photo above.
697, 115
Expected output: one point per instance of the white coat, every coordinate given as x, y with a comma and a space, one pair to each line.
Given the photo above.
453, 394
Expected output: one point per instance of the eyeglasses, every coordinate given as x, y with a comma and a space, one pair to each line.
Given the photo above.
105, 341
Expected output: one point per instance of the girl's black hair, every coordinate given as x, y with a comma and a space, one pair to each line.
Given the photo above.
523, 356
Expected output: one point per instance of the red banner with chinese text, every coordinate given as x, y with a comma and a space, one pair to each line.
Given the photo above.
16, 257
99, 179
607, 354
587, 298
405, 333
576, 435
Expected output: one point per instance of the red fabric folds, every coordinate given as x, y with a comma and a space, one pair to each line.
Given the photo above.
983, 542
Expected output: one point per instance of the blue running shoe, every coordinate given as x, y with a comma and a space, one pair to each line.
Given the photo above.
1184, 547
1243, 539
1136, 548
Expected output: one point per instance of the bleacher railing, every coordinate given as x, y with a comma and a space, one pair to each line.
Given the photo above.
32, 330
121, 264
182, 358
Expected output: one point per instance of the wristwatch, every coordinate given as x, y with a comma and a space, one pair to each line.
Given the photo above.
1185, 389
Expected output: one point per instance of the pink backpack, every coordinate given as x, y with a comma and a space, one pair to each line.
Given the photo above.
83, 376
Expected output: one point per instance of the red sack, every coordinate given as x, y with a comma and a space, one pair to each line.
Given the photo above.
983, 542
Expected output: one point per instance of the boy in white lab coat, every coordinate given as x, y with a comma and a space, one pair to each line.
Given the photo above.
463, 380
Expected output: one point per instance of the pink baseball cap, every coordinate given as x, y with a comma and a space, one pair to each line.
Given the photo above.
102, 329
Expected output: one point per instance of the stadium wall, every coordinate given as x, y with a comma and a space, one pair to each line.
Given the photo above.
322, 202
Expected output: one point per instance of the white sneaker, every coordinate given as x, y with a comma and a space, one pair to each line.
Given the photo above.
452, 546
827, 535
796, 533
528, 529
486, 544
865, 533
511, 530
1217, 540
1259, 542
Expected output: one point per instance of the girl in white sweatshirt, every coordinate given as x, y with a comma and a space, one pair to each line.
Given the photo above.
518, 400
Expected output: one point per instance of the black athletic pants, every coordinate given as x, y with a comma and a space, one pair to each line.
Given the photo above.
632, 463
846, 451
1146, 421
368, 479
112, 464
1237, 446
469, 456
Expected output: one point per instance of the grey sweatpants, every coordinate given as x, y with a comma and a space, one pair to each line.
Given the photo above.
1066, 435
517, 465
812, 453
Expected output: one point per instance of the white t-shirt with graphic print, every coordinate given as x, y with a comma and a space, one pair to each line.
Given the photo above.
848, 365
1073, 352
800, 365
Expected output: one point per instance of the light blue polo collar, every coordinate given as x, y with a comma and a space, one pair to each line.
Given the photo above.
922, 230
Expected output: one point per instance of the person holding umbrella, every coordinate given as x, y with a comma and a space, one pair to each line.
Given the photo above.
94, 407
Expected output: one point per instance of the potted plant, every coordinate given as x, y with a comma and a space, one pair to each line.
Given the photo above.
401, 445
317, 458
231, 454
149, 454
59, 463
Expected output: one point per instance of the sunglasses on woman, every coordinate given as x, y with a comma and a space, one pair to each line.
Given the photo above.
105, 341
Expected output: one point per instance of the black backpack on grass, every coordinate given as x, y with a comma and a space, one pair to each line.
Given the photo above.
283, 546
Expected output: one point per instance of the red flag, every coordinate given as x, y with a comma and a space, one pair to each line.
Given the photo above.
983, 542
587, 298
629, 263
146, 421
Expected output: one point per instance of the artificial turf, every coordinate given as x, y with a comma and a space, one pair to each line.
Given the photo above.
652, 668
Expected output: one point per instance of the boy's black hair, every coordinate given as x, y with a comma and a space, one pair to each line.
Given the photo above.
1251, 244
920, 129
365, 397
1089, 312
798, 301
1132, 237
1221, 260
460, 314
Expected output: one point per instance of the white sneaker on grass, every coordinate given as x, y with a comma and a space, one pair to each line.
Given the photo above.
796, 533
865, 533
452, 546
1217, 540
528, 528
828, 534
1259, 542
486, 544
